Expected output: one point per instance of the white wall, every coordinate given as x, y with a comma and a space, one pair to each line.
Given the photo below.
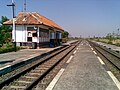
34, 39
20, 33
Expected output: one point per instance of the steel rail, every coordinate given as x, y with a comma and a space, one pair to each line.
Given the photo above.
45, 73
109, 51
20, 64
10, 79
93, 44
16, 76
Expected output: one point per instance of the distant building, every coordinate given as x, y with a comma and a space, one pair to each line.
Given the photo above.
31, 27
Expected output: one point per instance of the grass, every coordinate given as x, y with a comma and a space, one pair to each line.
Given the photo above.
113, 42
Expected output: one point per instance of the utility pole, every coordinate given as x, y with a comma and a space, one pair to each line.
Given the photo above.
14, 30
118, 33
24, 15
24, 5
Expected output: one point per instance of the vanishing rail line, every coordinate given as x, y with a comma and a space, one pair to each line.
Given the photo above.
27, 78
111, 56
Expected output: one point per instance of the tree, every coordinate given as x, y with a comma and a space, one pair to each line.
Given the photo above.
5, 31
3, 27
65, 34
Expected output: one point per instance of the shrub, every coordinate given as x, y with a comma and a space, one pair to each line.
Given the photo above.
8, 45
0, 45
8, 49
118, 44
110, 42
64, 40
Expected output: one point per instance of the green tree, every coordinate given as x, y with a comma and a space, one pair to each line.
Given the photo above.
109, 36
4, 28
65, 34
5, 31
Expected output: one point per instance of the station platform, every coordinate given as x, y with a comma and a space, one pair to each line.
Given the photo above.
7, 59
69, 42
21, 53
12, 58
83, 72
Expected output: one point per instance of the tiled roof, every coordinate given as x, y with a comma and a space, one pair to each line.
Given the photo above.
32, 18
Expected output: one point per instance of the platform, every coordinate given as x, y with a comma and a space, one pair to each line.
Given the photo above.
7, 59
84, 72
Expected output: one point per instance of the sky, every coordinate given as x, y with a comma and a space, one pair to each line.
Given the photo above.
79, 17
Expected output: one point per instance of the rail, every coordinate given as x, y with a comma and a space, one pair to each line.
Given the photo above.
110, 55
50, 61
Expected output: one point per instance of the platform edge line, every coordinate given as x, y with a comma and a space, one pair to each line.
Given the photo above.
100, 60
54, 81
68, 61
115, 80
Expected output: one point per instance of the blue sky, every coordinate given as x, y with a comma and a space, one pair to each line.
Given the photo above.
78, 17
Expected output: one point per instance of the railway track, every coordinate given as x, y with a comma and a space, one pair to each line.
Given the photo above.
110, 57
32, 74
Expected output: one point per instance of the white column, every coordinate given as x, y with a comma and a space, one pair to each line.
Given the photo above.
38, 31
13, 31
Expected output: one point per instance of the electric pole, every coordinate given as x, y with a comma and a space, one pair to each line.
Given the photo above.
118, 33
14, 30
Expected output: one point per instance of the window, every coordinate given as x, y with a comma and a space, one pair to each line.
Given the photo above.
29, 39
57, 35
44, 33
29, 34
35, 34
32, 32
30, 29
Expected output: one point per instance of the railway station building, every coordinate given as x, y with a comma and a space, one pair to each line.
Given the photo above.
33, 28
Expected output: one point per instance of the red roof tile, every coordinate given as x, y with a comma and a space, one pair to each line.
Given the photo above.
32, 18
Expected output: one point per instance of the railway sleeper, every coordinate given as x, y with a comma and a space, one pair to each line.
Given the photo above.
41, 68
37, 71
33, 75
27, 79
20, 84
17, 87
30, 77
22, 81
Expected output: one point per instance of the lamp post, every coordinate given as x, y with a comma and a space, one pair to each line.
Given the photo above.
14, 30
